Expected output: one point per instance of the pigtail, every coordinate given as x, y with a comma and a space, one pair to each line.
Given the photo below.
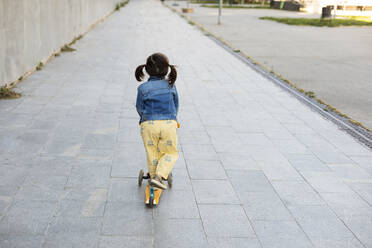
172, 75
139, 73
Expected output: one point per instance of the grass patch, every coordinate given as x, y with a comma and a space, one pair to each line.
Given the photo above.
67, 48
310, 94
120, 5
40, 66
6, 93
318, 22
237, 6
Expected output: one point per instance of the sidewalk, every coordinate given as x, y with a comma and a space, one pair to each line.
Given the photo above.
257, 168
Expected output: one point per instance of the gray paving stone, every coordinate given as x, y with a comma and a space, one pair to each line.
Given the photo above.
45, 182
260, 154
325, 182
52, 166
94, 176
43, 125
192, 125
32, 141
361, 226
128, 241
179, 233
280, 234
21, 241
249, 181
351, 173
12, 176
128, 135
96, 154
225, 221
108, 107
73, 232
194, 137
323, 227
225, 139
214, 191
364, 190
62, 145
333, 157
352, 208
129, 219
280, 133
238, 162
128, 166
255, 139
5, 202
177, 204
205, 169
290, 146
317, 143
27, 217
181, 180
77, 209
279, 171
38, 193
298, 128
306, 162
99, 141
265, 205
215, 121
297, 193
127, 190
85, 194
201, 152
215, 242
129, 150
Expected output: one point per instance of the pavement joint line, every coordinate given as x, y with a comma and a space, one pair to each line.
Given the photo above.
358, 132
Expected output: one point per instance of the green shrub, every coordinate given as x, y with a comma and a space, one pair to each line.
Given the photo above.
317, 21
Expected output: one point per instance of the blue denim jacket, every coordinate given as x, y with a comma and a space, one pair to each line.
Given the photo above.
156, 100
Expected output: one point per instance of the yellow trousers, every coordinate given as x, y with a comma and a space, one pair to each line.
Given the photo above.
160, 141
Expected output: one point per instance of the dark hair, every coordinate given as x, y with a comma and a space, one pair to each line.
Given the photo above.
157, 65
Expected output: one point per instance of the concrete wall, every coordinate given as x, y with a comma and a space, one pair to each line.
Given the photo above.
31, 30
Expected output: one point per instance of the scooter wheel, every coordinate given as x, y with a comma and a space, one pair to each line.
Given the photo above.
140, 178
170, 180
151, 198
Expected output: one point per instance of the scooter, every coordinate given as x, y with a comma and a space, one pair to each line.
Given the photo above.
152, 194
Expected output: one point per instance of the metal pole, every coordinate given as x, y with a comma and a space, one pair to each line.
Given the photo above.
219, 12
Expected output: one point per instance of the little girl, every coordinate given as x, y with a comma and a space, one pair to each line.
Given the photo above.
157, 106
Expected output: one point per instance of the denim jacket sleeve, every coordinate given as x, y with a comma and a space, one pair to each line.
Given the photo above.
139, 103
176, 99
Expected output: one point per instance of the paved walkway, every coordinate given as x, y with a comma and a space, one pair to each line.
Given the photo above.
332, 62
257, 168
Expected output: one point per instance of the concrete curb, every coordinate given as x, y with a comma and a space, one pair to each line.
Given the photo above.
344, 122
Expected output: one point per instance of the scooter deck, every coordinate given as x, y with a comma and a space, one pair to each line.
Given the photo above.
152, 196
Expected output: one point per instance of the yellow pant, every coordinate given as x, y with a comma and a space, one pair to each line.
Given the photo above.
160, 141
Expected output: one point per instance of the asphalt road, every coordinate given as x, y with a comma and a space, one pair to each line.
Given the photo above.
335, 63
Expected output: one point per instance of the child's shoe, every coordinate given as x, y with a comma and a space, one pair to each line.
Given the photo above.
157, 183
